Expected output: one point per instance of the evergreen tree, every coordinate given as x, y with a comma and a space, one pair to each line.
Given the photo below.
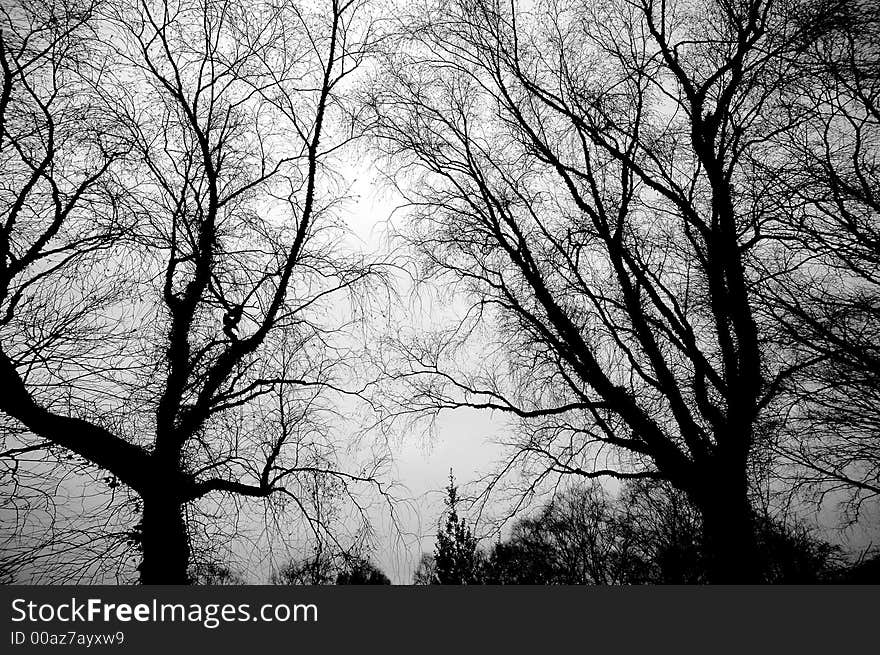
456, 558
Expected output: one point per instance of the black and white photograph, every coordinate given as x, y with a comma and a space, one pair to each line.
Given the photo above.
475, 293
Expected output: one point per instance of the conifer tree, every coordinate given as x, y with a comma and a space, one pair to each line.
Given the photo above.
457, 560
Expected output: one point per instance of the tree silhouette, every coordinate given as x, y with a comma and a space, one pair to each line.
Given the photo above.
326, 568
166, 259
457, 561
586, 536
362, 572
647, 534
829, 307
317, 570
653, 227
592, 176
424, 573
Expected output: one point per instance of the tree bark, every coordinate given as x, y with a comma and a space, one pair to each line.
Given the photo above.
164, 540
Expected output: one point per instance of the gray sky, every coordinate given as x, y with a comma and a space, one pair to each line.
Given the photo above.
463, 440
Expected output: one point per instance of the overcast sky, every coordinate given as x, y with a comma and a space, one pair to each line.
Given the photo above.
464, 440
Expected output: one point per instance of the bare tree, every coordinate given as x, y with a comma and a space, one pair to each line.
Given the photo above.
59, 150
348, 567
589, 174
649, 533
169, 250
829, 303
425, 570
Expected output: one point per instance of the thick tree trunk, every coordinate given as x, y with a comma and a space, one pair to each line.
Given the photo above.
729, 541
164, 541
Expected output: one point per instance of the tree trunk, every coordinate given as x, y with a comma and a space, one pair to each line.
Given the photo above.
164, 541
729, 540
